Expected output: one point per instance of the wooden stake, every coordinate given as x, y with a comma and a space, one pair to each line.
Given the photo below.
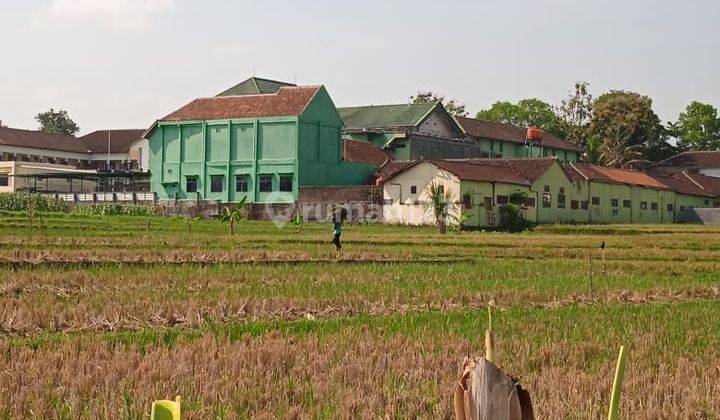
602, 252
591, 273
489, 339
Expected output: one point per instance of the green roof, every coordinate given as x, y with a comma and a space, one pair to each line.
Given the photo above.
255, 86
402, 115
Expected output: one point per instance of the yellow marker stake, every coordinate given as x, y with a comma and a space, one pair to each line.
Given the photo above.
489, 340
614, 412
166, 409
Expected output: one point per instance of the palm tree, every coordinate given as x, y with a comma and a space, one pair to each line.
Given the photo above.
440, 202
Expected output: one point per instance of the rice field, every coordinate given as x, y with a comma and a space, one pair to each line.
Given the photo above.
101, 315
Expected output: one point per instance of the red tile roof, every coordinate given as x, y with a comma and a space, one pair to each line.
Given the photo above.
583, 172
39, 140
364, 152
682, 184
288, 101
477, 128
120, 140
709, 184
523, 171
695, 160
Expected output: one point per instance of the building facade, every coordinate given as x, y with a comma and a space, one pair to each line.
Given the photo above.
262, 148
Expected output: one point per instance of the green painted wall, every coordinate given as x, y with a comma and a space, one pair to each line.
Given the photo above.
305, 148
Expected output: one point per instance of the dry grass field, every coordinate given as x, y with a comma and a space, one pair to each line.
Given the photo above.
101, 315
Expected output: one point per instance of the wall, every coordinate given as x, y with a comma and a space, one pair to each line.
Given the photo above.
437, 124
17, 183
483, 197
715, 172
401, 206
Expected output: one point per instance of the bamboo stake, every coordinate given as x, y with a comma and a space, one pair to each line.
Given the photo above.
614, 411
602, 252
591, 273
489, 339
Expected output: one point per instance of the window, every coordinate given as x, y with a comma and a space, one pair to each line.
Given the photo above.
216, 183
413, 189
191, 184
501, 146
530, 202
547, 200
615, 212
596, 201
643, 205
400, 145
467, 200
682, 208
614, 202
286, 183
265, 183
653, 206
670, 207
4, 180
627, 204
584, 205
574, 204
561, 201
241, 183
547, 188
561, 190
707, 202
502, 199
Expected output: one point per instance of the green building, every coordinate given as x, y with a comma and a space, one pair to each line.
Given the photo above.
409, 131
261, 140
508, 141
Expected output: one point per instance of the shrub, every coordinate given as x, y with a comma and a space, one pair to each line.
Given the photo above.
114, 209
30, 202
511, 218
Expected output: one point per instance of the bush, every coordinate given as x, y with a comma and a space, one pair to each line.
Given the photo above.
30, 202
512, 219
114, 209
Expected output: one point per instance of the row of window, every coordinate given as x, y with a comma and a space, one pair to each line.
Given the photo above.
242, 183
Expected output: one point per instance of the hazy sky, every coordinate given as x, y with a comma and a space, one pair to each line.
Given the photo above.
125, 63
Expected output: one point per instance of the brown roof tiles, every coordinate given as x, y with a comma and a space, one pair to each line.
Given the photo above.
364, 152
287, 101
477, 128
582, 171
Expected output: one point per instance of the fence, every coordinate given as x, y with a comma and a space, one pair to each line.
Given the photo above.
102, 197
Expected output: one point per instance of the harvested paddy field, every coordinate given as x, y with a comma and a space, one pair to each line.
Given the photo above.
101, 315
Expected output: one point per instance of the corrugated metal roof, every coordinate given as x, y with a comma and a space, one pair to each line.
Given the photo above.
255, 86
385, 116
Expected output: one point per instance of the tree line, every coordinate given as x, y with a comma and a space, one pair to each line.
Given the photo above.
618, 128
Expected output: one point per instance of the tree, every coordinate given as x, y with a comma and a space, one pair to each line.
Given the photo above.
575, 112
232, 216
453, 107
56, 122
625, 120
526, 113
698, 128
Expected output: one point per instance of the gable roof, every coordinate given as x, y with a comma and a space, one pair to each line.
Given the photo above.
120, 140
385, 116
477, 128
39, 140
709, 184
692, 160
522, 171
683, 184
586, 172
364, 152
255, 86
288, 101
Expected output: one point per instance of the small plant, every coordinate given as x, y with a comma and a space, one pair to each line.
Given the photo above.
511, 218
234, 215
459, 222
440, 204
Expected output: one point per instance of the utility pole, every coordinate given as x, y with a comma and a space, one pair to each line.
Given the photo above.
108, 154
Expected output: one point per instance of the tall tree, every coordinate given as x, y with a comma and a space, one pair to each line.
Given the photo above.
698, 128
625, 120
575, 112
527, 112
453, 107
57, 122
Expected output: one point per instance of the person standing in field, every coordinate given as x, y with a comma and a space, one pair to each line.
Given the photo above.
337, 228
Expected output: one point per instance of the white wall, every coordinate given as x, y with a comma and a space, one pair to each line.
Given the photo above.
404, 207
438, 125
714, 172
140, 151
